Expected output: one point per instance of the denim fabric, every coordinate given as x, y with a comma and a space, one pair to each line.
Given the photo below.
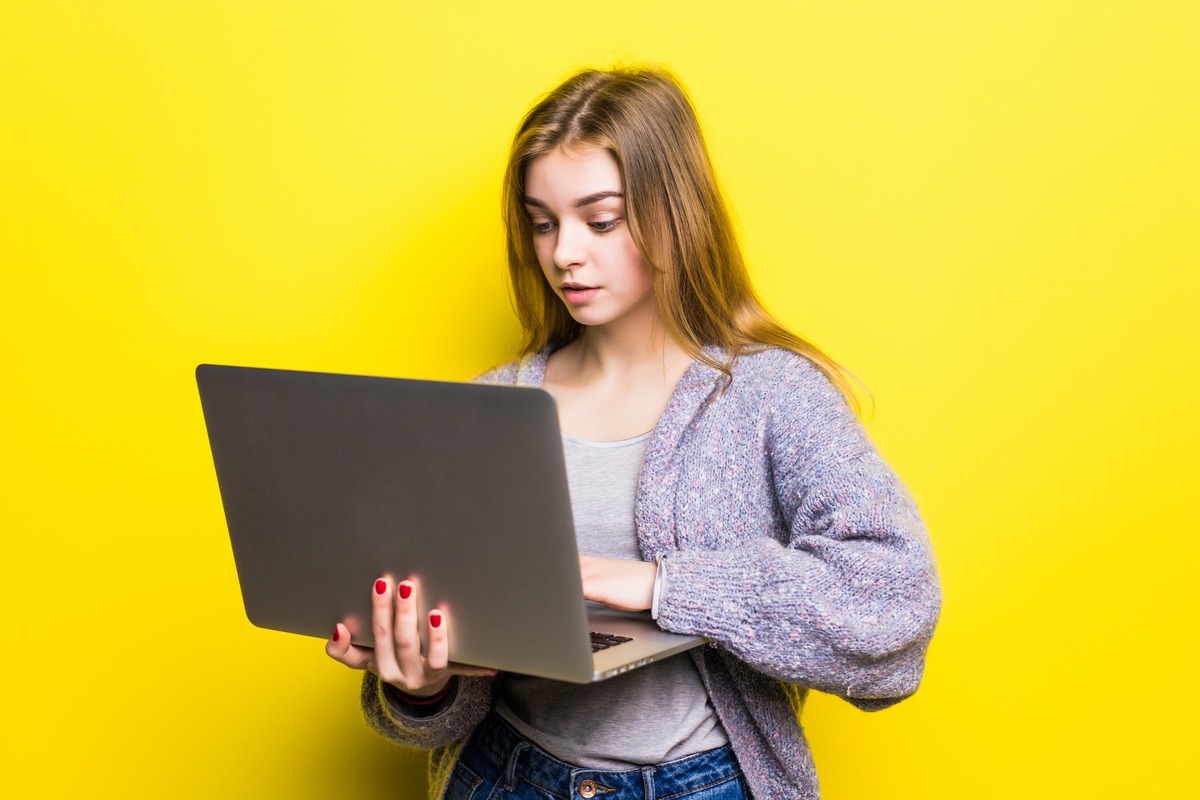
500, 764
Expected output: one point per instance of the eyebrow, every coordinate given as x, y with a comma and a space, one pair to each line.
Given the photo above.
580, 203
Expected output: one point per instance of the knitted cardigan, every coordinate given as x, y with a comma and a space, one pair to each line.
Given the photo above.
788, 542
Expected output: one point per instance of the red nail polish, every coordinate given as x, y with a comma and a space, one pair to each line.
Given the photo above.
380, 586
435, 619
405, 591
336, 634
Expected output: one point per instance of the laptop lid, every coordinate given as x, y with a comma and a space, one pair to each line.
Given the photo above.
330, 481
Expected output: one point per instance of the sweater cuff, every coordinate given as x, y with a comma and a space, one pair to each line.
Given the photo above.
709, 593
401, 704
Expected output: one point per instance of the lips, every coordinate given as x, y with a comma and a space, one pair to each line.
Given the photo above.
576, 293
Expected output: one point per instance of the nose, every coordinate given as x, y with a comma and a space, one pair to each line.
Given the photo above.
569, 251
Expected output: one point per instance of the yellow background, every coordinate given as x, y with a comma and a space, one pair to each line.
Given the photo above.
987, 210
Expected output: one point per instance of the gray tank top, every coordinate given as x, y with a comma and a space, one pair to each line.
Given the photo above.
653, 714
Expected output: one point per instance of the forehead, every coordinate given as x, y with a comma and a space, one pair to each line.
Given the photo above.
567, 174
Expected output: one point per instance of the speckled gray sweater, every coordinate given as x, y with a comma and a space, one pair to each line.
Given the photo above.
790, 544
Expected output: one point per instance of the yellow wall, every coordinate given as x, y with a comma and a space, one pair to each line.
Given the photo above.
988, 210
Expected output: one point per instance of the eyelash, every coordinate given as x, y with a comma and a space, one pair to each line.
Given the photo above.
600, 228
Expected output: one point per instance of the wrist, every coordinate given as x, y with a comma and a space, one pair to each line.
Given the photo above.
430, 695
660, 578
399, 705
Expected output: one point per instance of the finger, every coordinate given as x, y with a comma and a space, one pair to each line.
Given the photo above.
340, 649
405, 632
438, 656
386, 665
467, 669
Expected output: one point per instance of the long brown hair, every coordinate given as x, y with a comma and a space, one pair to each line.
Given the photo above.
676, 213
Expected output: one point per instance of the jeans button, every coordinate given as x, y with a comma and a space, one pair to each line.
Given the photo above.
587, 788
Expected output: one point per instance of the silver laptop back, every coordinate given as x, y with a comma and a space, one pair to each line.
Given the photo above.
330, 481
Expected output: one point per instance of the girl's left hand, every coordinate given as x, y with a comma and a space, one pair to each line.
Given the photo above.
619, 583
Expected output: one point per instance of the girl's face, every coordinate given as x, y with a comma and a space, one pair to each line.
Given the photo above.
576, 202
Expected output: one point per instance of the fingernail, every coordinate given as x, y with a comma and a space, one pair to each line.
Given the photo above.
405, 590
380, 586
336, 634
435, 619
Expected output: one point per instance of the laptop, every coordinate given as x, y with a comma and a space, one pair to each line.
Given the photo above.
330, 481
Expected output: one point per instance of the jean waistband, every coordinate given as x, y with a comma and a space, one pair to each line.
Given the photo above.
517, 758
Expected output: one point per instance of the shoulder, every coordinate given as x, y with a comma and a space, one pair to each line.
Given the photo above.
798, 410
505, 373
776, 376
528, 370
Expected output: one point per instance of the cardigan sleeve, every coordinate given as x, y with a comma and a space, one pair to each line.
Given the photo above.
844, 598
456, 719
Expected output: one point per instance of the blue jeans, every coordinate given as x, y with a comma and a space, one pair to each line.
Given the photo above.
501, 764
498, 763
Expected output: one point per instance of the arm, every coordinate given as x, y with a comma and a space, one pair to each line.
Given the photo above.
846, 597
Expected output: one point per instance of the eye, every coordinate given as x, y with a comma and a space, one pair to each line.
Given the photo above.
604, 226
539, 227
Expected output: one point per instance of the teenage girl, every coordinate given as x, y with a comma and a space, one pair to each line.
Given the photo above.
718, 476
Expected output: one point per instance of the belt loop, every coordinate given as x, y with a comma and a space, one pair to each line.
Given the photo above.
510, 771
648, 782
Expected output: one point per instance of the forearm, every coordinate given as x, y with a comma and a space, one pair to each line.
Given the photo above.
853, 619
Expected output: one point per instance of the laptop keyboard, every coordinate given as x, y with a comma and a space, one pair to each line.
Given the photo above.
603, 641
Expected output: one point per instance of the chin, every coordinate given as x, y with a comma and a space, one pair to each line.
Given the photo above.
586, 316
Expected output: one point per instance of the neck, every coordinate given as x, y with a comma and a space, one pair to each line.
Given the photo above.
632, 352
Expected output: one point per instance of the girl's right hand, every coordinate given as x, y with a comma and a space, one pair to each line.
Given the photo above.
397, 658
